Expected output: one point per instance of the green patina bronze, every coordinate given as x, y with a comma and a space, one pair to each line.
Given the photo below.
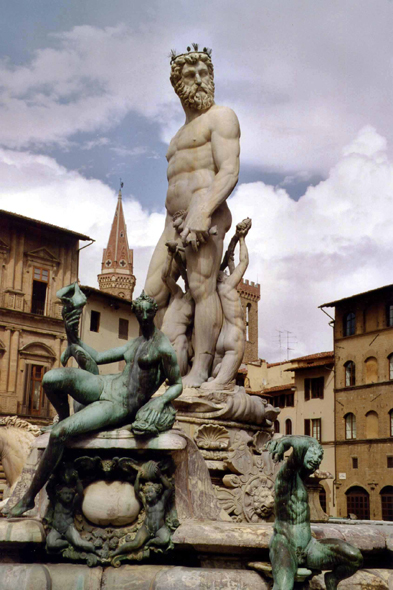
65, 498
154, 490
292, 545
71, 535
107, 401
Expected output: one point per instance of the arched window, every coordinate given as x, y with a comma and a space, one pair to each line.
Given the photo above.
350, 375
288, 426
349, 324
372, 425
248, 309
276, 426
371, 366
390, 359
358, 502
322, 498
389, 315
350, 426
387, 503
391, 422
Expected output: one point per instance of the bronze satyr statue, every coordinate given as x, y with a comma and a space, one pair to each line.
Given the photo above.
292, 545
108, 401
154, 496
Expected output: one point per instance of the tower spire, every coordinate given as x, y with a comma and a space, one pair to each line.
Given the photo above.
116, 275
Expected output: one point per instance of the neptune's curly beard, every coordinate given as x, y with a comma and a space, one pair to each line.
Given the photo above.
198, 97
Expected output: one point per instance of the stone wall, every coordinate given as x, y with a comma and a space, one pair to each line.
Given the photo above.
250, 294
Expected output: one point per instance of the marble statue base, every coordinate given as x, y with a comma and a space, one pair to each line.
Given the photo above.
210, 550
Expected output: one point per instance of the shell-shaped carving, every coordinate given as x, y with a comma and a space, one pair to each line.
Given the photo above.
212, 436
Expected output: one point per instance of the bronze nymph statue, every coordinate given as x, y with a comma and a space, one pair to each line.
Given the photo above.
107, 401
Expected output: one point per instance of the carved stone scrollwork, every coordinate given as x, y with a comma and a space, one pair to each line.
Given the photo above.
247, 494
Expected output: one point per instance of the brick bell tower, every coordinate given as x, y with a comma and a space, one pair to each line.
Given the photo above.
117, 259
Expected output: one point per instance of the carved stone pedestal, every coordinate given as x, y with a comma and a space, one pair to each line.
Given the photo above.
133, 494
230, 428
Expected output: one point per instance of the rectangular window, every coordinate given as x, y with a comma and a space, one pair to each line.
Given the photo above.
350, 426
40, 285
354, 462
290, 401
389, 315
317, 386
307, 430
35, 397
316, 428
307, 389
313, 388
123, 329
390, 462
95, 321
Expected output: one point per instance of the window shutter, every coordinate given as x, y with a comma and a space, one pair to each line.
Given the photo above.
307, 427
307, 387
321, 386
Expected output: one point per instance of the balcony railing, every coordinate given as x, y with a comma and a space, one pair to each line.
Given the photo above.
18, 302
44, 412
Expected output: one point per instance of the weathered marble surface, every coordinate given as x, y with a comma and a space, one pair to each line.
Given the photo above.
134, 577
155, 577
370, 579
181, 578
194, 493
224, 537
244, 536
16, 438
21, 530
110, 503
203, 168
49, 577
120, 439
229, 404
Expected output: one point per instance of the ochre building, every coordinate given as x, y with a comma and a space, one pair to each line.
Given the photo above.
36, 260
303, 390
363, 346
250, 294
107, 322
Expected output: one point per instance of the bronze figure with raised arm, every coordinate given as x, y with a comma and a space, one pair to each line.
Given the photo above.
203, 169
292, 545
110, 400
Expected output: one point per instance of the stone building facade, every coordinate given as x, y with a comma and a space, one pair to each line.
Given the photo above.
303, 389
250, 294
363, 343
117, 259
36, 260
107, 322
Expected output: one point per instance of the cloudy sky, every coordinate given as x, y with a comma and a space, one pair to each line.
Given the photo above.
86, 100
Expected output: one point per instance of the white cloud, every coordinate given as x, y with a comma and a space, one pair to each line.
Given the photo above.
89, 81
302, 79
38, 187
334, 242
